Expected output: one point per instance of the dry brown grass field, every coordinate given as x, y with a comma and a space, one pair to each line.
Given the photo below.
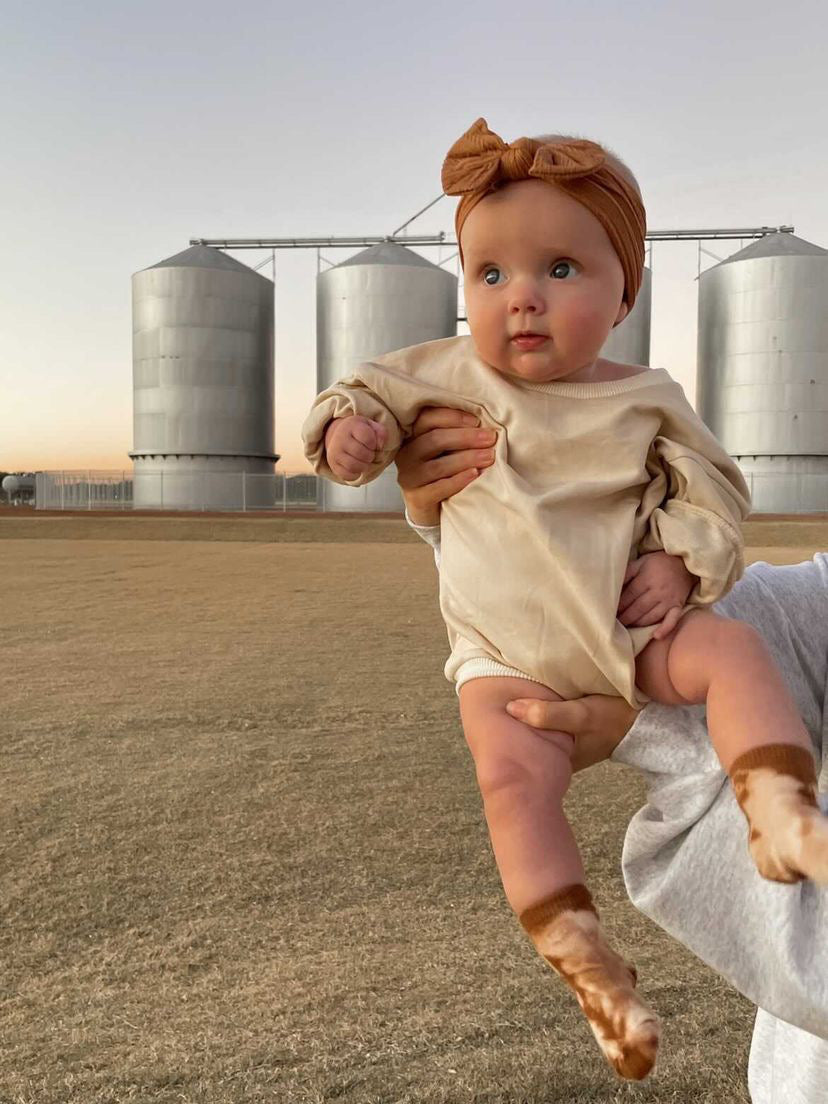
243, 853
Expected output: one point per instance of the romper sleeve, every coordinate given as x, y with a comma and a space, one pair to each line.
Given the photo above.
696, 500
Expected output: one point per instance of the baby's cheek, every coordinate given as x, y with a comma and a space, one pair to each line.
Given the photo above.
588, 318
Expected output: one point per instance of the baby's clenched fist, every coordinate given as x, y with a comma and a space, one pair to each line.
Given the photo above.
352, 444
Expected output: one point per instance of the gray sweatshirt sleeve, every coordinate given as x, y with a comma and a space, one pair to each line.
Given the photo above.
685, 859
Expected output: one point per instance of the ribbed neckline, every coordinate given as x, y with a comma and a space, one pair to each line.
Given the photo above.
602, 389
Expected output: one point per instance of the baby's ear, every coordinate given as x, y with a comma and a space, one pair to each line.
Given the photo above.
623, 311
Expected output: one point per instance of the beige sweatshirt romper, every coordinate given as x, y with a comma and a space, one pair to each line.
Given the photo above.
586, 477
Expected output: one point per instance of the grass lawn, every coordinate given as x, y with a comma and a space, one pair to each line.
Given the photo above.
243, 852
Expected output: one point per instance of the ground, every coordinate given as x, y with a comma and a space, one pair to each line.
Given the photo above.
244, 857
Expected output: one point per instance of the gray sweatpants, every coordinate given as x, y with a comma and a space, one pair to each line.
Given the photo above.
685, 858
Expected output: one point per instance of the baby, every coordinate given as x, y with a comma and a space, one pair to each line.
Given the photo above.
596, 464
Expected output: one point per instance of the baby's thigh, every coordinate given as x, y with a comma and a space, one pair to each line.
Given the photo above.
506, 749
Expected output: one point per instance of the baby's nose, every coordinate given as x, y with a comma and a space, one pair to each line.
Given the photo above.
526, 296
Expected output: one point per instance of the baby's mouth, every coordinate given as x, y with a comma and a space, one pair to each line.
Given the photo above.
529, 340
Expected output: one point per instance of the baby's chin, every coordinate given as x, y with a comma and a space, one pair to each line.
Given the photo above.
532, 367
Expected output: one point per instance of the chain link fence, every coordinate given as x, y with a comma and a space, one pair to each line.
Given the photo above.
199, 490
772, 493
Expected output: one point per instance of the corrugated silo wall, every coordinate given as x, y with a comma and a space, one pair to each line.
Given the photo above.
763, 373
203, 384
365, 310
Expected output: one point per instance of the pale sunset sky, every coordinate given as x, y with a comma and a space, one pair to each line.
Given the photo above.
129, 128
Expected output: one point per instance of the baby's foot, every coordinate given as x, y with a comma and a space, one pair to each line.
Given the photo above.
626, 1029
775, 786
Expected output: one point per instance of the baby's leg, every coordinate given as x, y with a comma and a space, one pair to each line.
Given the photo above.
523, 774
757, 733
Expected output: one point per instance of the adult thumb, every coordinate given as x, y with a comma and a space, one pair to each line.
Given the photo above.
563, 716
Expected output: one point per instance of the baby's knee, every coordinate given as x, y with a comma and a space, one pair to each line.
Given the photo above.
512, 758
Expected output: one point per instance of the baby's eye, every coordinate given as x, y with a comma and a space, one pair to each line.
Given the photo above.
562, 269
492, 276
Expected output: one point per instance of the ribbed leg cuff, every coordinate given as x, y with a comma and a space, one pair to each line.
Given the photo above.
572, 898
789, 759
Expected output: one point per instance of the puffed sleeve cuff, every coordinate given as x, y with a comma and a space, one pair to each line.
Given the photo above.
339, 401
711, 547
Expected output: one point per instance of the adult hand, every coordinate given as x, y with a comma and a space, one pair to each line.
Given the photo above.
598, 723
446, 452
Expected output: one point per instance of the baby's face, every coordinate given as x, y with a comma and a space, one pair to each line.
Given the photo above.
536, 262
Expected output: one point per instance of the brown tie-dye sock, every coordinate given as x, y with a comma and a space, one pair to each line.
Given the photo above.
566, 932
776, 788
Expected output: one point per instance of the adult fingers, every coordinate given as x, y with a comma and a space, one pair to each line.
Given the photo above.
443, 467
439, 417
414, 471
439, 441
442, 489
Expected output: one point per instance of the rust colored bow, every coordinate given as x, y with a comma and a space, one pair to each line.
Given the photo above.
480, 160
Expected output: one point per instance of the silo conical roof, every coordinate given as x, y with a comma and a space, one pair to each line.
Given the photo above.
388, 253
204, 256
775, 245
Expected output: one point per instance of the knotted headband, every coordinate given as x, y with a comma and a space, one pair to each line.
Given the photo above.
481, 162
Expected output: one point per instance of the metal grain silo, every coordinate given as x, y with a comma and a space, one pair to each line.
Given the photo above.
203, 383
384, 298
763, 369
629, 342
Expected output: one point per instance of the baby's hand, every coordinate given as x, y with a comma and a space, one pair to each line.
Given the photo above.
656, 587
351, 445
